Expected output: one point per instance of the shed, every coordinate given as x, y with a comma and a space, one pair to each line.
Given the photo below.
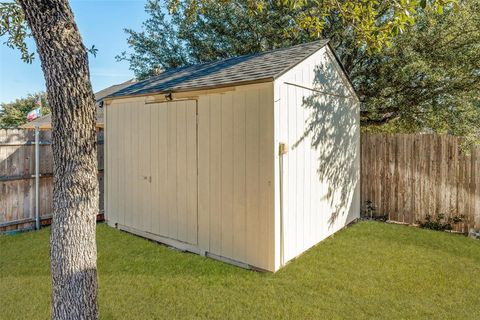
251, 160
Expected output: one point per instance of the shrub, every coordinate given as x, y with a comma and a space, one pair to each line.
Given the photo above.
440, 223
369, 212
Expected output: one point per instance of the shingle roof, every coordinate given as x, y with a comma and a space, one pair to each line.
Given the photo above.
100, 95
232, 71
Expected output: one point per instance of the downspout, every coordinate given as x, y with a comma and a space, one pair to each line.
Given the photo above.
282, 150
37, 177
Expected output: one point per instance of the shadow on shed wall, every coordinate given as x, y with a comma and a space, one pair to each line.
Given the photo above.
332, 129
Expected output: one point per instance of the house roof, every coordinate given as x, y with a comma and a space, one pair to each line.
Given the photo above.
245, 69
45, 122
100, 95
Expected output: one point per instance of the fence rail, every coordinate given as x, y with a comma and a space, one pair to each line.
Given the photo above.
410, 176
17, 178
406, 177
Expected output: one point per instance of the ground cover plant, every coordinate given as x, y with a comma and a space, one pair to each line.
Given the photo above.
370, 270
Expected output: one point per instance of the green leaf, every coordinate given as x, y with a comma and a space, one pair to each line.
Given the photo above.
93, 51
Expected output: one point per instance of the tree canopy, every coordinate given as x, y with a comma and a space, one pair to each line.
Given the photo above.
429, 78
425, 79
184, 32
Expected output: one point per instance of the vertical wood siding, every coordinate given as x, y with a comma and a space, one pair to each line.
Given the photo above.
152, 175
410, 176
235, 168
236, 175
318, 117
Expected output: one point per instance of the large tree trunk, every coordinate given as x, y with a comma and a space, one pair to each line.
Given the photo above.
75, 199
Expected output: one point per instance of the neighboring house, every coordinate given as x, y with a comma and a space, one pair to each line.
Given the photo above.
45, 122
251, 160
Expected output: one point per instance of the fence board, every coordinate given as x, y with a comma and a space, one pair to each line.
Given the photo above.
410, 176
17, 186
405, 176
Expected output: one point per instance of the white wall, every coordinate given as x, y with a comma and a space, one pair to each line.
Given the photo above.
235, 171
239, 130
152, 167
236, 177
321, 168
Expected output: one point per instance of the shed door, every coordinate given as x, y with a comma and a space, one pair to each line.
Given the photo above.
128, 167
132, 163
173, 165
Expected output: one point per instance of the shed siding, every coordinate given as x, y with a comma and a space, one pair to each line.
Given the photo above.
213, 160
321, 168
236, 174
150, 174
235, 170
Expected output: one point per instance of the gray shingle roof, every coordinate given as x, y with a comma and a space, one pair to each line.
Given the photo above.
232, 71
100, 95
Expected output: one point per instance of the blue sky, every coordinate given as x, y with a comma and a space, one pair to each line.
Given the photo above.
101, 23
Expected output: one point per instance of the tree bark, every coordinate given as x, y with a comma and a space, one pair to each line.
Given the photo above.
75, 193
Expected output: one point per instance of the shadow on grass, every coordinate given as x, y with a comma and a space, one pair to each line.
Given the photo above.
369, 270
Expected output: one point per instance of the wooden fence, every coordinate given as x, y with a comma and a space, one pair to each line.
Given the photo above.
17, 181
407, 177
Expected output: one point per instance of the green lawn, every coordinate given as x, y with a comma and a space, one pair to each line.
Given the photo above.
369, 270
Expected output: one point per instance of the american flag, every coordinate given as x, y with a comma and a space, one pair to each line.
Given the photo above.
34, 114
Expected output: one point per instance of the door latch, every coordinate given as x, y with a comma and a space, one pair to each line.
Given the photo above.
282, 148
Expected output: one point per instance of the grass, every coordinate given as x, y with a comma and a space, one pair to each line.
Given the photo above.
368, 271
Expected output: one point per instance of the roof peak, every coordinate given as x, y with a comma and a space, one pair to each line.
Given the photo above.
249, 68
323, 42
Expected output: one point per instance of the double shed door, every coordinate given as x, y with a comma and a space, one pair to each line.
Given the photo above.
161, 169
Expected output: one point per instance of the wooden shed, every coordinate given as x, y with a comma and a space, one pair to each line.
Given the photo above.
251, 160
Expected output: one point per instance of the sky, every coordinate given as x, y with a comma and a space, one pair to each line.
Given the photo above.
101, 23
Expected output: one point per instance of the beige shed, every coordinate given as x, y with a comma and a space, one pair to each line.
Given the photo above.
251, 160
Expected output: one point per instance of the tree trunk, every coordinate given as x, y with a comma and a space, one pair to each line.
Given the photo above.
75, 193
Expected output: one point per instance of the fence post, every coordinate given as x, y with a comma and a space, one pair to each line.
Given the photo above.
37, 177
